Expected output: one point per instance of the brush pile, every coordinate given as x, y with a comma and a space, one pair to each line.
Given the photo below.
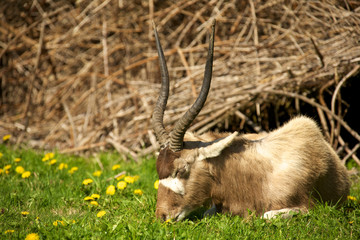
83, 75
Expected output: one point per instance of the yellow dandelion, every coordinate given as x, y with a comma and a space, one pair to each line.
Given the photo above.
73, 169
116, 166
156, 184
26, 174
9, 231
1, 170
17, 160
19, 169
73, 221
6, 137
168, 220
101, 214
88, 199
25, 213
97, 173
120, 177
7, 167
56, 223
110, 190
52, 162
50, 155
121, 185
32, 236
62, 166
94, 203
138, 192
129, 179
352, 198
95, 196
1, 155
87, 181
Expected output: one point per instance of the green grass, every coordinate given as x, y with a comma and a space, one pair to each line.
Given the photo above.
51, 195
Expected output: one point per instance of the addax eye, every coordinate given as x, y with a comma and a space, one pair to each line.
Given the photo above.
181, 172
175, 174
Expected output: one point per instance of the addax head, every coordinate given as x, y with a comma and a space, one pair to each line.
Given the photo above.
176, 160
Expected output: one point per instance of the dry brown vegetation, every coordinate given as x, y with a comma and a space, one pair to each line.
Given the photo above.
83, 75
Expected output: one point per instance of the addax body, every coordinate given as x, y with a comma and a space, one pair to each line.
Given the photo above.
288, 169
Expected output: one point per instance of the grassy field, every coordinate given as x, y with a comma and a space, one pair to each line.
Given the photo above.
51, 196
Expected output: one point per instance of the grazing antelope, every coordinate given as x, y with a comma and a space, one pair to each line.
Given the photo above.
288, 169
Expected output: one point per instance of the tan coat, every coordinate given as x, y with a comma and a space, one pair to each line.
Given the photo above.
292, 167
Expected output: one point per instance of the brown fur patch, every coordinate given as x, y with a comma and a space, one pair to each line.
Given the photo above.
241, 180
165, 162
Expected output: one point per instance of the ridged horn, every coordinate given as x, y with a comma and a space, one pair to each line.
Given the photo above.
158, 114
177, 134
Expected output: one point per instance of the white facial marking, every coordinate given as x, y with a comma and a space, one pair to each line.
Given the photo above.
174, 184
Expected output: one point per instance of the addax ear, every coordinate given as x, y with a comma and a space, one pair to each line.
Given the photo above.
214, 149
